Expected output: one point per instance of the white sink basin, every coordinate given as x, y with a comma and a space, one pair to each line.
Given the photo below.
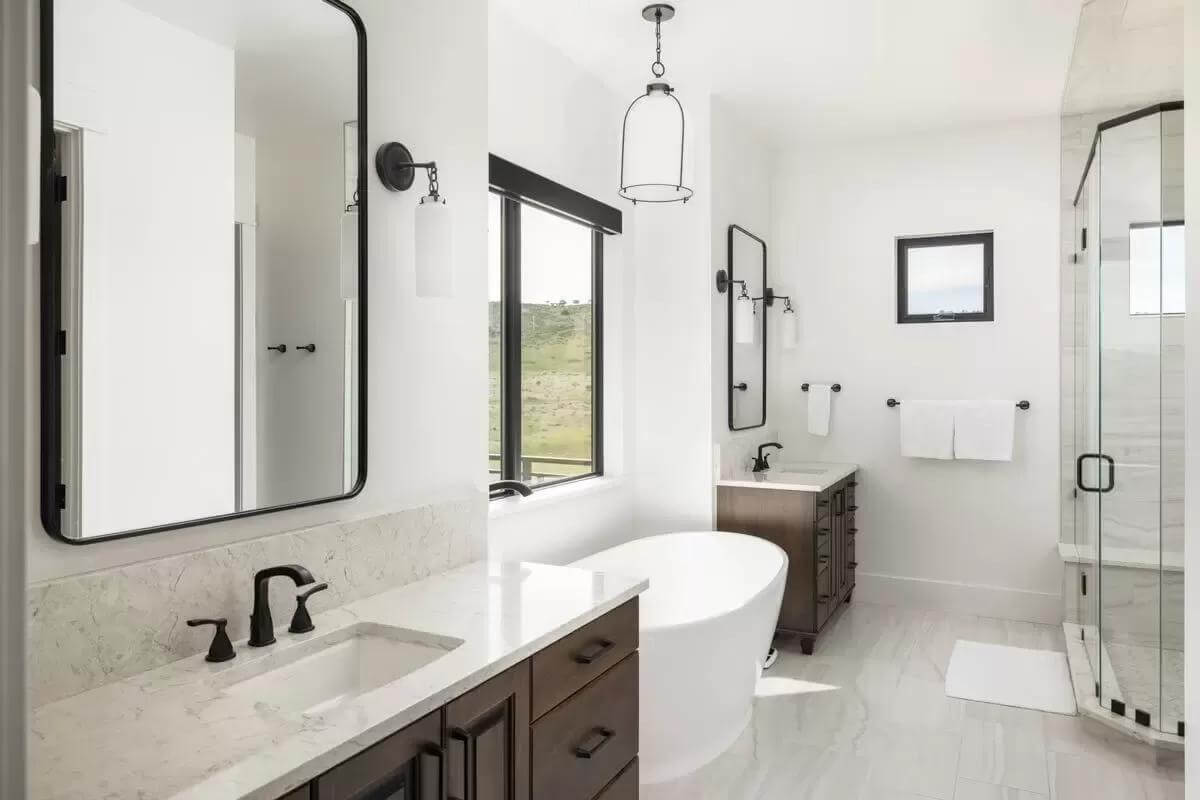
323, 672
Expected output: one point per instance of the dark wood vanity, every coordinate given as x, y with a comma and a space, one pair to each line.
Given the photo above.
562, 724
818, 532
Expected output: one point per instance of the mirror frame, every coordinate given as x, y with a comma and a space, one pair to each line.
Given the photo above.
767, 299
53, 337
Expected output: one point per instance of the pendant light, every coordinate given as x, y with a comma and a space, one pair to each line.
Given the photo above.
652, 137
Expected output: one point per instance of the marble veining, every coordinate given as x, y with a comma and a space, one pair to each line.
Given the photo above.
89, 630
172, 732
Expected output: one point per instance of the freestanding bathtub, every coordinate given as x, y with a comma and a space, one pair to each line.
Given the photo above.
706, 626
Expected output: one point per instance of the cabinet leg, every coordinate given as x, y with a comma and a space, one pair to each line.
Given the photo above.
849, 597
806, 645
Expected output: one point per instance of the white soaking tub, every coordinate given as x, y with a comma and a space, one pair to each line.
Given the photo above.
706, 626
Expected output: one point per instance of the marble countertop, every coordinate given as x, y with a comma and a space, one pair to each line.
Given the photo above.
809, 476
171, 732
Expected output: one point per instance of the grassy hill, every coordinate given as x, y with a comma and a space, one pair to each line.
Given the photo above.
556, 382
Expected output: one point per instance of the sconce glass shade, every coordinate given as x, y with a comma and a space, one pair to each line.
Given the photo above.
434, 245
789, 330
349, 246
652, 148
743, 320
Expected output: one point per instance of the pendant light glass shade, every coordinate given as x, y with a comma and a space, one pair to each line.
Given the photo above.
743, 320
652, 148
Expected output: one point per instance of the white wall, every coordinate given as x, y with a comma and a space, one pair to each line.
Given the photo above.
157, 324
548, 115
427, 374
742, 165
1192, 391
978, 536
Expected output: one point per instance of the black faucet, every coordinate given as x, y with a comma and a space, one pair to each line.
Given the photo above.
508, 489
760, 461
262, 628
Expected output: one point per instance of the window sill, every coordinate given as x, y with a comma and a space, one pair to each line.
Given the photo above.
553, 495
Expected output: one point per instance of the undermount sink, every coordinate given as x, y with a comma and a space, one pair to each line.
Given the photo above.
326, 671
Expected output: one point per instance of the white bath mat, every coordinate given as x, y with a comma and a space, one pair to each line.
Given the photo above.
1010, 676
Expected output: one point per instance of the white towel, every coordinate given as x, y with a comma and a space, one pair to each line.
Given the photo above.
983, 430
819, 401
926, 430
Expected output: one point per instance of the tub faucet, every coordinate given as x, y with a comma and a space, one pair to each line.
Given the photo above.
262, 628
760, 461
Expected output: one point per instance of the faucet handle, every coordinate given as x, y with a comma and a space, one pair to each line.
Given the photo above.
221, 648
301, 621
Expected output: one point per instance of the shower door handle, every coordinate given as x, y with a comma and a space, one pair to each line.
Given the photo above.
1112, 473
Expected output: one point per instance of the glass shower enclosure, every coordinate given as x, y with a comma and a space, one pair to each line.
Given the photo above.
1125, 509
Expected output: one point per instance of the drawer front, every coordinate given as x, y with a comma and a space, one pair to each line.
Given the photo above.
566, 666
580, 746
625, 787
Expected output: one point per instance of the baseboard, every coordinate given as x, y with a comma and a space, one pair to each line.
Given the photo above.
960, 598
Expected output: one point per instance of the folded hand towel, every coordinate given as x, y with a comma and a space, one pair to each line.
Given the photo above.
926, 430
983, 430
819, 400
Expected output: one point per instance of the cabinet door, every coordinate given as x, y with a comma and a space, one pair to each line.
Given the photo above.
409, 765
488, 748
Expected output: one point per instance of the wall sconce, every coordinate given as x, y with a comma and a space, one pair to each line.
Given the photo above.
744, 308
433, 238
789, 331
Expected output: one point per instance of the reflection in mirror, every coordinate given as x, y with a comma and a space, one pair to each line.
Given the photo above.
210, 258
747, 329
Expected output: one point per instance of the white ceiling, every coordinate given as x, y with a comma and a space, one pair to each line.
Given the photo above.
803, 70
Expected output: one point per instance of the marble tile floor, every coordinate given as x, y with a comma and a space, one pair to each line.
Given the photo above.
866, 718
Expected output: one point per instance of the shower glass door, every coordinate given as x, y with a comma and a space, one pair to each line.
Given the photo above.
1135, 476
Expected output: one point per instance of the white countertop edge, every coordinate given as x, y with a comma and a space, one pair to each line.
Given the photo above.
749, 480
234, 781
1126, 557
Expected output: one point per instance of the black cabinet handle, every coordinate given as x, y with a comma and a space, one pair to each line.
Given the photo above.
438, 753
593, 651
852, 484
823, 559
822, 531
852, 508
852, 531
464, 738
822, 599
592, 744
822, 503
852, 564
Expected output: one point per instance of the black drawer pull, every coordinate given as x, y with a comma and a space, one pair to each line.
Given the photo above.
822, 503
596, 740
851, 564
593, 651
822, 531
822, 599
852, 484
823, 559
852, 531
852, 508
464, 738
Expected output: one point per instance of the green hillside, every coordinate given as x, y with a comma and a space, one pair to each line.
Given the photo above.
556, 350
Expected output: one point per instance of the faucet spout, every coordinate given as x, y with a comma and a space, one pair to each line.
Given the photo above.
760, 461
262, 627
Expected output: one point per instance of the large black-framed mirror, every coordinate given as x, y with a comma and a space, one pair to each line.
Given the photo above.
748, 297
203, 261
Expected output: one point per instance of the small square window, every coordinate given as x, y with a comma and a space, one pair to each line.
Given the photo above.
944, 278
1156, 268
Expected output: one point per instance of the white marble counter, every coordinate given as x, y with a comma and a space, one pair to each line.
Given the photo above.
811, 476
171, 732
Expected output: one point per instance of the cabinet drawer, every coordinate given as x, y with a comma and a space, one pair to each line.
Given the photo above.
566, 666
583, 743
625, 787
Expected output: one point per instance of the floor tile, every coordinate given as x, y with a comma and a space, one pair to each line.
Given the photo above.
1004, 754
976, 790
1088, 778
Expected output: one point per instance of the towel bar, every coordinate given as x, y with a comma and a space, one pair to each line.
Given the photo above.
893, 402
837, 387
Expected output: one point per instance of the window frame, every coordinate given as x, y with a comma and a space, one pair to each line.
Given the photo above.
906, 243
1166, 223
516, 188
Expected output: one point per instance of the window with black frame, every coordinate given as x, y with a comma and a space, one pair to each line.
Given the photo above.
545, 328
945, 278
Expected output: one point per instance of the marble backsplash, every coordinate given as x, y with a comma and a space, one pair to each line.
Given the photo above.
89, 630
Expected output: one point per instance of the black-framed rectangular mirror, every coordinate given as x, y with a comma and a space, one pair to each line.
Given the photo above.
203, 261
747, 299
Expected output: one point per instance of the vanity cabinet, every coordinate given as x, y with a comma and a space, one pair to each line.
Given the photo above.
818, 531
561, 725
